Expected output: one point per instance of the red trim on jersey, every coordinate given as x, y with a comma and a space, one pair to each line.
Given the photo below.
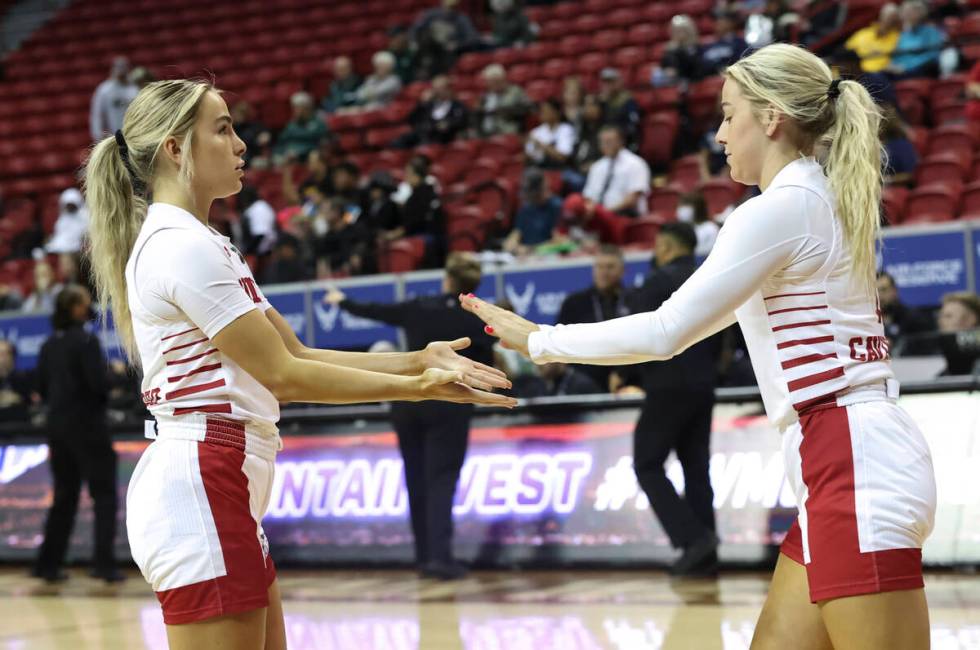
795, 342
186, 345
223, 432
785, 311
789, 295
248, 573
195, 357
167, 338
207, 368
196, 388
814, 403
206, 408
818, 378
796, 325
802, 361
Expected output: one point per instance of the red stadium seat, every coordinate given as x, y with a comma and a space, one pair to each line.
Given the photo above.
953, 137
947, 90
608, 40
942, 169
931, 204
720, 193
663, 202
893, 199
643, 34
970, 207
402, 255
686, 172
659, 134
642, 231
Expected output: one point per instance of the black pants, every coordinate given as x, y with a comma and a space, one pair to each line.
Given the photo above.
679, 421
74, 458
432, 437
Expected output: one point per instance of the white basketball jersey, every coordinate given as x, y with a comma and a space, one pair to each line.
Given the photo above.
185, 283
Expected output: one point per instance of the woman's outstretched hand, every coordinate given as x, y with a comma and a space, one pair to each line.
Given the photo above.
448, 386
443, 354
511, 329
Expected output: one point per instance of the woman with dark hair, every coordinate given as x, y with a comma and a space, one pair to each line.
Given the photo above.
72, 382
551, 143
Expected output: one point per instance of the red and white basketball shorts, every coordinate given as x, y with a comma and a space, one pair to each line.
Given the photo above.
193, 515
863, 479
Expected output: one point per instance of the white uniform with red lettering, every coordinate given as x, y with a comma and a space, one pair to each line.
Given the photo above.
197, 496
860, 468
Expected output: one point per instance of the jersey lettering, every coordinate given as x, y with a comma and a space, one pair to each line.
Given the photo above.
872, 348
248, 284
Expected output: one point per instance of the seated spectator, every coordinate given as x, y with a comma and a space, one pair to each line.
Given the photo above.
45, 289
878, 84
319, 177
258, 222
681, 62
973, 93
899, 320
141, 77
875, 43
400, 45
304, 132
818, 19
74, 269
340, 251
71, 227
692, 209
10, 298
919, 45
253, 133
110, 101
619, 107
422, 213
536, 218
15, 386
959, 323
550, 144
727, 48
438, 118
382, 86
504, 106
572, 100
346, 180
775, 23
510, 24
343, 88
286, 263
587, 136
380, 212
441, 34
902, 157
620, 180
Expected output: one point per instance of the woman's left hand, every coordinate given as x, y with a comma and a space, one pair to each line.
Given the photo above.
512, 330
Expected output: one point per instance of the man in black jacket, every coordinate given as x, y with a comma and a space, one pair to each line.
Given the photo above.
433, 436
604, 300
676, 416
72, 382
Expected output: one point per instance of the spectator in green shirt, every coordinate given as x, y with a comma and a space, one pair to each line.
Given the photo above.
304, 132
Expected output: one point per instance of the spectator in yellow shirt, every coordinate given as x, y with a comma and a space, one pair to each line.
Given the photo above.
875, 43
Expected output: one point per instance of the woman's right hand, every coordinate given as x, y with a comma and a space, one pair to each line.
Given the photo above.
448, 386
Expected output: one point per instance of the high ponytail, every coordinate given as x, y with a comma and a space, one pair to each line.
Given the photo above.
839, 124
117, 188
853, 164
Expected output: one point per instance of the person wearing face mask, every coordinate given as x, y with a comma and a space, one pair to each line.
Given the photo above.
692, 209
72, 382
72, 224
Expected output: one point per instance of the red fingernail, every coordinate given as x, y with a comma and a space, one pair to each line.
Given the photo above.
488, 329
471, 295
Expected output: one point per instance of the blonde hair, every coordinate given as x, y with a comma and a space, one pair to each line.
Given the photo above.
841, 132
464, 272
114, 187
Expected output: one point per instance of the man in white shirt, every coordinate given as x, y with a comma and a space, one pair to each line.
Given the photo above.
72, 224
620, 180
110, 101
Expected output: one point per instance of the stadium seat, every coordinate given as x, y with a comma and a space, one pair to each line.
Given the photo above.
685, 172
931, 204
402, 255
642, 231
970, 202
943, 169
893, 199
720, 192
663, 201
659, 134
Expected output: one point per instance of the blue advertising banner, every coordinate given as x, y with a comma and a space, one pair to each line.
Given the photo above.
976, 259
335, 328
292, 306
926, 266
28, 334
538, 294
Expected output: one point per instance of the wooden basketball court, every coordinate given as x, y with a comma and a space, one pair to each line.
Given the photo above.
395, 610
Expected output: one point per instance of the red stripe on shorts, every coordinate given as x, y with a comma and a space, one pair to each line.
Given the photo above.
204, 408
248, 574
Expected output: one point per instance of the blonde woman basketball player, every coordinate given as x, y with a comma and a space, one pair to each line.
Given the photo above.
217, 361
795, 268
